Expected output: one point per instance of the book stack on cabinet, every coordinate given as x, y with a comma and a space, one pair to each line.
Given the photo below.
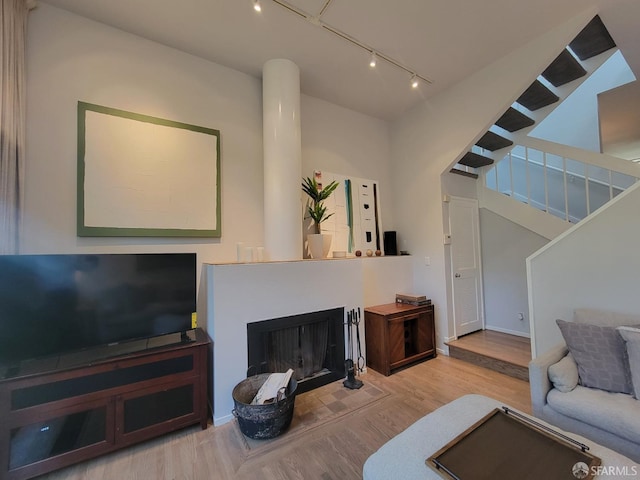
415, 300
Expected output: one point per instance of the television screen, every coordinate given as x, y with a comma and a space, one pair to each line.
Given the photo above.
52, 304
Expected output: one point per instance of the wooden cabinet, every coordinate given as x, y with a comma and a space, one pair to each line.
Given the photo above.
398, 335
54, 418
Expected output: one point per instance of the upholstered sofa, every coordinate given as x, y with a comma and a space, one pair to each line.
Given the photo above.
576, 387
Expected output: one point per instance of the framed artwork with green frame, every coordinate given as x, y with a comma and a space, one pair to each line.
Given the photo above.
146, 176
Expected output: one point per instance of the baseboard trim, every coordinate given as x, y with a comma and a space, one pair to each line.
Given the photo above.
222, 420
506, 330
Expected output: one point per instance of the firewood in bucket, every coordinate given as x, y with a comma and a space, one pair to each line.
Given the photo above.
273, 388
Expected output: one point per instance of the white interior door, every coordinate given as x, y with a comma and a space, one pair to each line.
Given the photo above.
466, 271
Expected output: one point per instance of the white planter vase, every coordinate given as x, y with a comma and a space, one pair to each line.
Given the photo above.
319, 244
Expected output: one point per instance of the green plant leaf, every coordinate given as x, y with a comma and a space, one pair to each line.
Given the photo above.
315, 207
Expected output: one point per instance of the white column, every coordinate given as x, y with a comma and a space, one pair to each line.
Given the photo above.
282, 160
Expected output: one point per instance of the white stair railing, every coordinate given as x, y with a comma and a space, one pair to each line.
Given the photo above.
567, 182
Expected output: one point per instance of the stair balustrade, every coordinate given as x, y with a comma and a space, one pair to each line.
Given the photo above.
561, 183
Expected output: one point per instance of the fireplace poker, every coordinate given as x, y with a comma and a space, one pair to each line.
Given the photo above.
360, 362
349, 345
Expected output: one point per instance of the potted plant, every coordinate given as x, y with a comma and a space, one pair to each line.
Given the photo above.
319, 243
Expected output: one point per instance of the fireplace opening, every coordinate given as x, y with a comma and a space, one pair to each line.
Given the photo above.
311, 344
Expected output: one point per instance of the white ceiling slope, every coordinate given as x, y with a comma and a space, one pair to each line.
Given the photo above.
443, 40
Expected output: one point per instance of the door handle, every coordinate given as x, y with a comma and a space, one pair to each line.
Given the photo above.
457, 275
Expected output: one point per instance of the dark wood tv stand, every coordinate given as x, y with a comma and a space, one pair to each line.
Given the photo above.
53, 418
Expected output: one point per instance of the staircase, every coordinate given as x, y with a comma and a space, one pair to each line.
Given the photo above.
538, 100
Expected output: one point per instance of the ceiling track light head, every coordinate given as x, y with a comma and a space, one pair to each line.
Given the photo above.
373, 60
256, 6
414, 81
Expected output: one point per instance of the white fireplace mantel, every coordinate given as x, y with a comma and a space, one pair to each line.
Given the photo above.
238, 294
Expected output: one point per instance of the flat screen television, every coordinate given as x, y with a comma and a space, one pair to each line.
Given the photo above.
54, 304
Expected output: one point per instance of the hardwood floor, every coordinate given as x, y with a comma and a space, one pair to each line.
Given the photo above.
504, 353
336, 450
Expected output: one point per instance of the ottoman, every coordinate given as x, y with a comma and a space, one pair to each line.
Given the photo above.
404, 455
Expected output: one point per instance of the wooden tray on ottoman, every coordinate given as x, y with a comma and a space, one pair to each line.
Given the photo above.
505, 444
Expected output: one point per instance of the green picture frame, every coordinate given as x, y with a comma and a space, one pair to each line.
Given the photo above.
144, 176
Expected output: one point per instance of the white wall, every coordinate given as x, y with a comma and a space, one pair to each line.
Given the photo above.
71, 58
383, 277
593, 265
430, 138
459, 185
347, 143
505, 248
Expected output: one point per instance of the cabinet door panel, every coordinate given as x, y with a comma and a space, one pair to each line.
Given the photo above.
144, 414
425, 333
56, 436
396, 342
53, 439
158, 407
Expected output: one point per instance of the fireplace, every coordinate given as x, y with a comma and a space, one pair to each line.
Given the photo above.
312, 344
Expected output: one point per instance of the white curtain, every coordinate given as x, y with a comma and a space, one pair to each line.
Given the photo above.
13, 31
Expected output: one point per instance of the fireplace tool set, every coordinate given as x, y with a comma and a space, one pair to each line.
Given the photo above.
353, 320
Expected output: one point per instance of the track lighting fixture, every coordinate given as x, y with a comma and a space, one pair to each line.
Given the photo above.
316, 19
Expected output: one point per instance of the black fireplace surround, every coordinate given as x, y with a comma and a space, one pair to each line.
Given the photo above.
312, 344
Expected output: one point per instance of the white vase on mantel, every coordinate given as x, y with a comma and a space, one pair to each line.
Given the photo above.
319, 244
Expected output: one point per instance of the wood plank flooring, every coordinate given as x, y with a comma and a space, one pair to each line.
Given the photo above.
333, 451
498, 351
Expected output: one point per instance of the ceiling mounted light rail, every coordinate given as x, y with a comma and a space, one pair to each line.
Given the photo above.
374, 55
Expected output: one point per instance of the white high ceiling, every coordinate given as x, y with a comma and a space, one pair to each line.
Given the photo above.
444, 40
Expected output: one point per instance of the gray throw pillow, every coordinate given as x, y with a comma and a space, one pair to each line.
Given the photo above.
631, 336
600, 354
564, 374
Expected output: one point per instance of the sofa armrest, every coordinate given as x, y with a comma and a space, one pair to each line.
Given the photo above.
539, 382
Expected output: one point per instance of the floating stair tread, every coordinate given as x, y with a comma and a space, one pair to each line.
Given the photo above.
474, 160
492, 142
513, 120
464, 173
593, 40
564, 69
537, 96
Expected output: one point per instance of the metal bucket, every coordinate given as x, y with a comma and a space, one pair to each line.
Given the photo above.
262, 421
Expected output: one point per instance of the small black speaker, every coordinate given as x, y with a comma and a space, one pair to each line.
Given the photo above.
390, 244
